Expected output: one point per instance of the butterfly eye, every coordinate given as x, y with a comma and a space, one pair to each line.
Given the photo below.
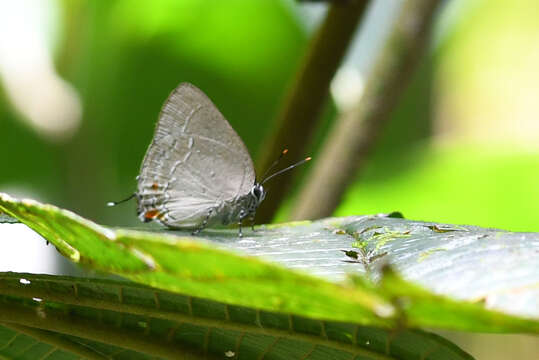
258, 192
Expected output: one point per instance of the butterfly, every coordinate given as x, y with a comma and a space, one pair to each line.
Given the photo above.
197, 171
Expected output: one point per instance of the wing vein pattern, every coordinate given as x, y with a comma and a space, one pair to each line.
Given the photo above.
195, 162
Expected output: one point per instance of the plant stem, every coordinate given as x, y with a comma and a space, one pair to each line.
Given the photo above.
356, 131
307, 96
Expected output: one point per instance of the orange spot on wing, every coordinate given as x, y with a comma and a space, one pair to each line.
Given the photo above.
151, 214
155, 186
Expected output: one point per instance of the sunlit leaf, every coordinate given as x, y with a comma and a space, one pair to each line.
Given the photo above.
309, 274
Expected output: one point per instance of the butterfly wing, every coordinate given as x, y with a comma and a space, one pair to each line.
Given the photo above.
195, 162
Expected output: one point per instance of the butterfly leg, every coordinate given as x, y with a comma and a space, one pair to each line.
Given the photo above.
204, 223
242, 216
252, 219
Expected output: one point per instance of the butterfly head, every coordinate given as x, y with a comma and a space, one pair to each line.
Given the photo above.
258, 193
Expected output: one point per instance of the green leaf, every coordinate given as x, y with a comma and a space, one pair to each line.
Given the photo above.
98, 319
311, 279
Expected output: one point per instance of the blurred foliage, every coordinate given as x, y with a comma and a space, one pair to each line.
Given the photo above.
124, 60
459, 185
475, 95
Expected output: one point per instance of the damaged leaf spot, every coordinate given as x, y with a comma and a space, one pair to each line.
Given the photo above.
438, 229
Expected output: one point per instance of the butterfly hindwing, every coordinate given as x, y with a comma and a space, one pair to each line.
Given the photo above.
196, 161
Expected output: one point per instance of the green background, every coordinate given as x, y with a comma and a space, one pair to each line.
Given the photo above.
124, 59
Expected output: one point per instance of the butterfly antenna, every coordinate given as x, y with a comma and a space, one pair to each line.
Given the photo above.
283, 153
286, 169
114, 203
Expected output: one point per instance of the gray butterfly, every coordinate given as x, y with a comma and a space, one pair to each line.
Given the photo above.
197, 171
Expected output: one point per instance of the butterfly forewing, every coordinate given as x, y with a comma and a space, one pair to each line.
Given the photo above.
194, 163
